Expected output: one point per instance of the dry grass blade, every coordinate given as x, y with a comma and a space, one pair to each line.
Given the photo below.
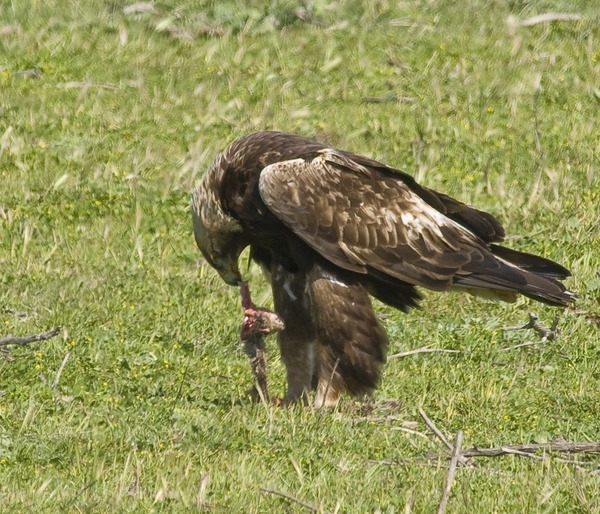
424, 349
287, 496
451, 473
547, 17
61, 369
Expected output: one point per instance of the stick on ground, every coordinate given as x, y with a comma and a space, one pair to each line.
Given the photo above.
556, 446
424, 349
451, 473
22, 341
529, 450
431, 425
307, 506
546, 334
535, 324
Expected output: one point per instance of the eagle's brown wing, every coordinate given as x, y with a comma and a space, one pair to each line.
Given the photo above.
363, 217
481, 223
359, 218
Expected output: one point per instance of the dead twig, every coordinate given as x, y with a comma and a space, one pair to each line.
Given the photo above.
287, 496
528, 343
18, 314
388, 98
423, 349
22, 341
591, 317
529, 451
434, 429
410, 431
514, 451
546, 334
555, 446
534, 323
451, 473
86, 85
544, 457
431, 425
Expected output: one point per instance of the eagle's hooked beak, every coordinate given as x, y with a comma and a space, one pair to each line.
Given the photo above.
221, 250
227, 268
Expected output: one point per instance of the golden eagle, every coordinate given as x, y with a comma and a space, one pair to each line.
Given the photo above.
329, 228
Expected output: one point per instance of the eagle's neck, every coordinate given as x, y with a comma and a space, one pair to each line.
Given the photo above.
207, 201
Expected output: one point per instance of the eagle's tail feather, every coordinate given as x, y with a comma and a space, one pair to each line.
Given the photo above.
506, 272
533, 263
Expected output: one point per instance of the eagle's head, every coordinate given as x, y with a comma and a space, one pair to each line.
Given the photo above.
218, 235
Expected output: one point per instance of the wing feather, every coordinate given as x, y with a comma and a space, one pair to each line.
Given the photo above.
360, 218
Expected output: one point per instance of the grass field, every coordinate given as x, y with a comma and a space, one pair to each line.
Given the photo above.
108, 116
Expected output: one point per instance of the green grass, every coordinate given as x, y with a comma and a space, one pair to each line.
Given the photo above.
99, 150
